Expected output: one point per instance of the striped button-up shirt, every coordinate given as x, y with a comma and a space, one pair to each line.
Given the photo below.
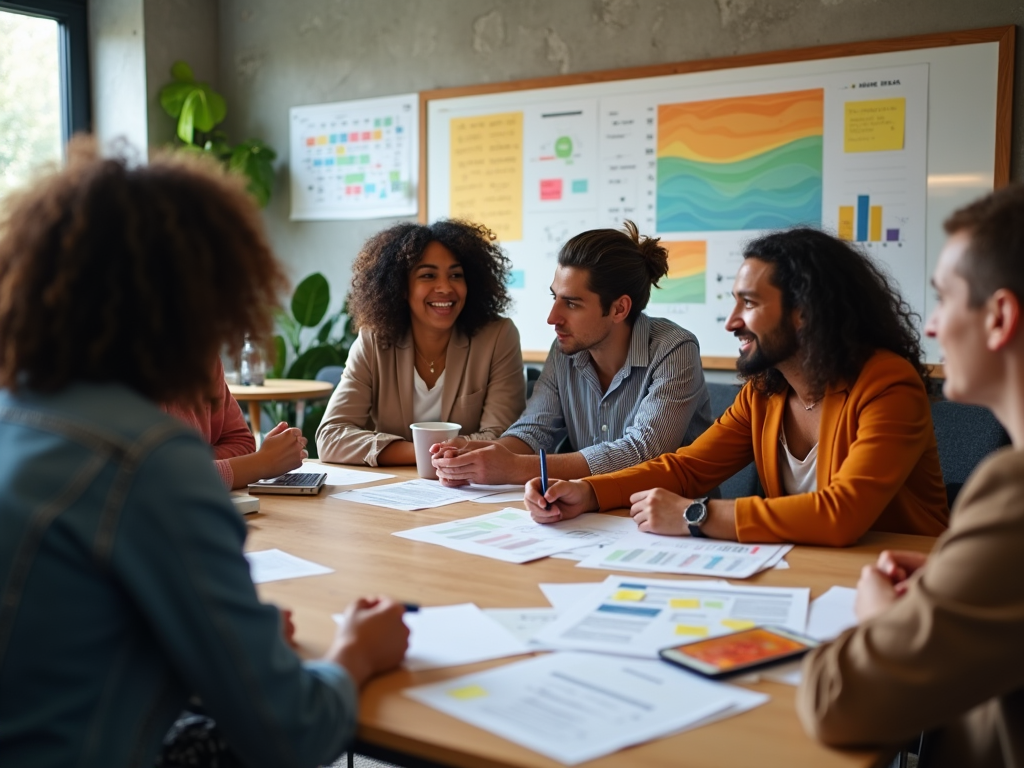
656, 402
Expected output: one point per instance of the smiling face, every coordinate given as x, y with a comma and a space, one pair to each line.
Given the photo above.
767, 332
580, 322
437, 289
960, 328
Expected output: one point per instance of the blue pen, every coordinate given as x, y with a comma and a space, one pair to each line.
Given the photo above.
544, 477
411, 607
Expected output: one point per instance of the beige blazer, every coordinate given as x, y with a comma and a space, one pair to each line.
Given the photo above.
484, 391
946, 657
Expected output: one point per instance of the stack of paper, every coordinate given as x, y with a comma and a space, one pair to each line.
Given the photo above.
574, 707
411, 495
639, 617
685, 555
512, 536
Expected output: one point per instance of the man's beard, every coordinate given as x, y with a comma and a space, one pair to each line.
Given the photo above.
767, 352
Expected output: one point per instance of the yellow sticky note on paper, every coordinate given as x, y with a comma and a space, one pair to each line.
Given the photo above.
691, 631
468, 692
738, 624
684, 602
874, 126
634, 595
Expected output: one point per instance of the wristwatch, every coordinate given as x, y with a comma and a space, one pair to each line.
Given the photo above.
695, 516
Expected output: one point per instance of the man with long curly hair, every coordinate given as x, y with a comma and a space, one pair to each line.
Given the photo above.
834, 413
619, 386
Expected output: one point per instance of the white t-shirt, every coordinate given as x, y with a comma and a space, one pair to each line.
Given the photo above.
426, 402
798, 475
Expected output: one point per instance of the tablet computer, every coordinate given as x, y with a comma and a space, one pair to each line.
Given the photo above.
742, 651
293, 484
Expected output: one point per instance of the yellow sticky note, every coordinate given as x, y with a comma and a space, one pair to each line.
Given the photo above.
468, 692
486, 172
634, 595
738, 624
684, 602
377, 135
874, 126
691, 631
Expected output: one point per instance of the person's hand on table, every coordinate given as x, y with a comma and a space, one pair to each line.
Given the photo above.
287, 627
564, 500
659, 511
488, 464
283, 450
373, 638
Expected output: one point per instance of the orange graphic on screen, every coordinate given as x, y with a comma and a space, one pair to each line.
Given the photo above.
742, 649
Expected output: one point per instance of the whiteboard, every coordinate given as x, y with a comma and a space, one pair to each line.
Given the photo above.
877, 147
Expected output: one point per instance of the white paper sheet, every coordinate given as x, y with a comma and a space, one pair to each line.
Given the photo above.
275, 565
450, 635
575, 707
510, 535
409, 496
338, 475
523, 623
508, 497
685, 555
639, 616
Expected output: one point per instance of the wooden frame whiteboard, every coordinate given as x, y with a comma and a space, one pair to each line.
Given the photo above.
969, 108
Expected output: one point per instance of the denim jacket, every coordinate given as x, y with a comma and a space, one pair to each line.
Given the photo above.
124, 591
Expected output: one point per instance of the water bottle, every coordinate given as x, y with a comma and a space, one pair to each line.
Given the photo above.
252, 368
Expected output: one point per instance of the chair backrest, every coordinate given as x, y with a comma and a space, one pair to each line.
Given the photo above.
745, 482
532, 373
966, 434
330, 373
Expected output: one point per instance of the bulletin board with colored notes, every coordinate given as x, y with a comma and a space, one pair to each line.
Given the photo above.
874, 142
355, 159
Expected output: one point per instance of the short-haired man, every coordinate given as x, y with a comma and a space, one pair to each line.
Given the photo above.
939, 645
835, 414
624, 387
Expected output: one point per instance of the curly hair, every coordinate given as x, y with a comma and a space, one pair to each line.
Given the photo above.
849, 306
134, 275
617, 263
379, 296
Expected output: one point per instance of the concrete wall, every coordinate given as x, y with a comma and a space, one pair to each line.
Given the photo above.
274, 55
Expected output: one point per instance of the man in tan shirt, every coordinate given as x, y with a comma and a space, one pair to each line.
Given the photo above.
940, 645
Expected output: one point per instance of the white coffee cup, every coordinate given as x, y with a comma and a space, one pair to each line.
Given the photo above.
424, 435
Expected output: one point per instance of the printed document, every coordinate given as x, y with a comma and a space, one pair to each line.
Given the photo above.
510, 535
686, 555
409, 496
574, 707
275, 565
638, 617
337, 475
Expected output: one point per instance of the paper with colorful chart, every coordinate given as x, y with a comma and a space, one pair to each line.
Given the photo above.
355, 159
705, 168
637, 616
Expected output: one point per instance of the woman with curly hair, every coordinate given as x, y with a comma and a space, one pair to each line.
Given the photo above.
432, 346
123, 586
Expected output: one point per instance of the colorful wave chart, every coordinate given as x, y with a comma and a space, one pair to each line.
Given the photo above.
745, 163
687, 274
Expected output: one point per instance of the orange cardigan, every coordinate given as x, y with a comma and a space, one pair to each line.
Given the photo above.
878, 464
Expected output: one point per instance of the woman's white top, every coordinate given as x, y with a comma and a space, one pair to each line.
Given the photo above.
798, 475
426, 401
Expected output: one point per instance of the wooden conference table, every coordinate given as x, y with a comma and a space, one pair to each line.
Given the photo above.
355, 541
299, 390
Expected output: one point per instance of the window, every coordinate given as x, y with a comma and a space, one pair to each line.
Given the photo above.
44, 78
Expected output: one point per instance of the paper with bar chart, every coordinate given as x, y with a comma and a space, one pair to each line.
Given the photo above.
637, 616
706, 169
355, 159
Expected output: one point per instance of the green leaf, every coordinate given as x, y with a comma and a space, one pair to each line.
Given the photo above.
289, 328
254, 159
186, 120
173, 95
312, 360
312, 296
325, 330
182, 72
217, 106
280, 357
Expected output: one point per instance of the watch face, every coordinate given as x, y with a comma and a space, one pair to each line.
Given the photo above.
696, 513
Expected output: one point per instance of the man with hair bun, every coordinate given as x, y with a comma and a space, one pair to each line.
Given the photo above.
622, 387
834, 414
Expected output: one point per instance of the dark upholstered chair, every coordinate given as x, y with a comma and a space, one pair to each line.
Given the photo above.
745, 482
330, 374
966, 434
